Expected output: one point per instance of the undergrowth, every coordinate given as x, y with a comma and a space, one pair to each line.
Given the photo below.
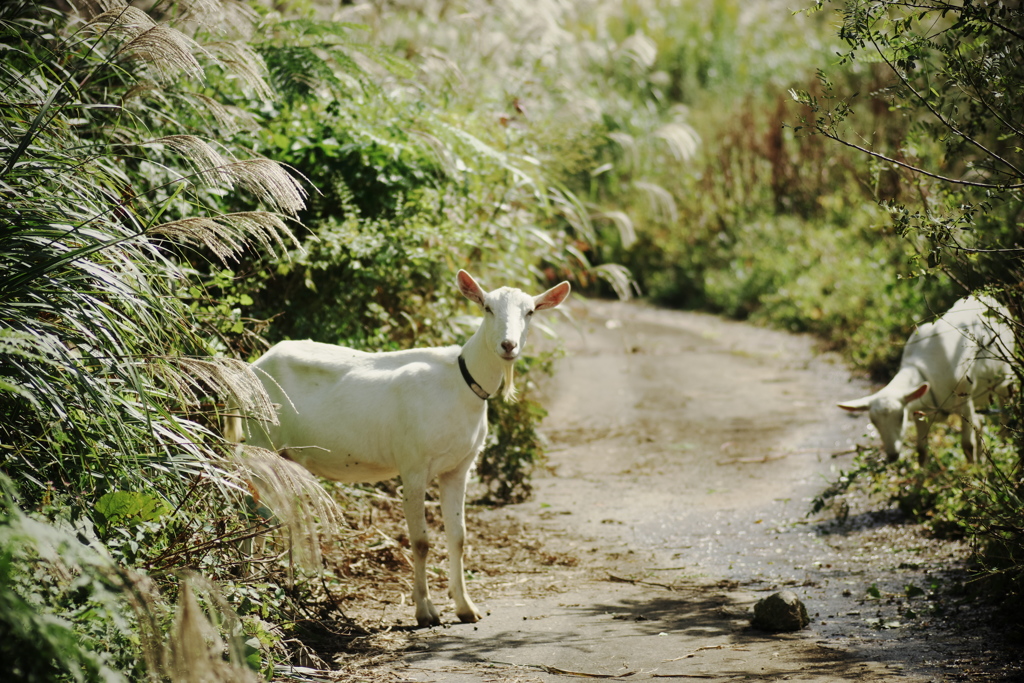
951, 498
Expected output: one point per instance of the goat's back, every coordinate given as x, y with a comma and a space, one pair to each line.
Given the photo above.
964, 353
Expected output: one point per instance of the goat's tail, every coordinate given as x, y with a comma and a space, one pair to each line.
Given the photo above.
231, 424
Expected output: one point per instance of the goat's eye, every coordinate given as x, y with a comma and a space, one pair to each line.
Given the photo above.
529, 313
487, 309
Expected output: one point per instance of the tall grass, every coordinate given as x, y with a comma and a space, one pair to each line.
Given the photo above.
106, 377
95, 338
672, 123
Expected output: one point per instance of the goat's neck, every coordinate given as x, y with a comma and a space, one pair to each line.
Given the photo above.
906, 380
482, 363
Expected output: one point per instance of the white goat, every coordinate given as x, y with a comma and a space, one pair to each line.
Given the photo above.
948, 366
353, 416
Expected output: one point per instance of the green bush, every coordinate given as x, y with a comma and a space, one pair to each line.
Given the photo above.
950, 74
135, 270
121, 491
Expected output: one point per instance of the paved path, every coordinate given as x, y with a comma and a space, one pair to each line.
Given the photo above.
684, 452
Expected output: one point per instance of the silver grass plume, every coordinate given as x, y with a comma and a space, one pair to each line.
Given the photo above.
639, 49
229, 118
680, 138
200, 154
243, 61
224, 17
660, 201
570, 208
266, 179
196, 652
90, 9
121, 20
619, 277
165, 53
227, 234
161, 50
629, 148
269, 182
623, 223
293, 494
227, 377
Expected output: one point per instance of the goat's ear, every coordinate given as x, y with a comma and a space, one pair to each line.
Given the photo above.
469, 287
858, 406
916, 393
552, 297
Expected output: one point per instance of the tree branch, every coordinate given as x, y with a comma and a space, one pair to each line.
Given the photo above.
941, 119
915, 169
978, 93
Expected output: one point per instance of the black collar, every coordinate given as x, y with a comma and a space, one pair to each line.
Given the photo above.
477, 389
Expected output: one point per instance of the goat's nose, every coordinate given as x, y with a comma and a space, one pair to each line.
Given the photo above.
508, 345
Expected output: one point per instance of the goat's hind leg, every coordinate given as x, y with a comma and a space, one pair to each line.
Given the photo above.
968, 430
413, 502
453, 498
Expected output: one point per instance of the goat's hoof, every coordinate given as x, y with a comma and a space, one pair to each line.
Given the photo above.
427, 622
431, 618
470, 617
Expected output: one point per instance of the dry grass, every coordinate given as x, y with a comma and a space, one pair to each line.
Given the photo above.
366, 613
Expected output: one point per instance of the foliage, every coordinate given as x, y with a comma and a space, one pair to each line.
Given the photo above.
950, 496
667, 121
72, 612
96, 345
106, 374
952, 75
135, 270
954, 72
40, 645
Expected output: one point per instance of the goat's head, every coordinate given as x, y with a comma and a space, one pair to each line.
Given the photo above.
888, 413
507, 313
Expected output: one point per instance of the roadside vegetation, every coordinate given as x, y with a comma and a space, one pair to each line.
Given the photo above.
182, 186
952, 82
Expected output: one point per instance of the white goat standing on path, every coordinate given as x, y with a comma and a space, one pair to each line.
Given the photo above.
948, 366
353, 416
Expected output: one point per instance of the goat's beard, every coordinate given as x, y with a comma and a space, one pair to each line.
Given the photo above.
508, 390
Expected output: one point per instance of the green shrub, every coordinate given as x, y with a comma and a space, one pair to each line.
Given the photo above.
107, 375
950, 76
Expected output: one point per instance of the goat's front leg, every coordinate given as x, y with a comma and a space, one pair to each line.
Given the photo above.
413, 501
968, 429
923, 425
453, 498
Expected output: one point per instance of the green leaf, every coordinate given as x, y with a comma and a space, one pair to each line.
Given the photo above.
130, 507
253, 659
914, 591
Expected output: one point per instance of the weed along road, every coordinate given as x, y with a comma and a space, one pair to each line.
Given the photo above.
684, 453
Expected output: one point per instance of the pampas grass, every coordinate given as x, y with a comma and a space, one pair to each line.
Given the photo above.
108, 381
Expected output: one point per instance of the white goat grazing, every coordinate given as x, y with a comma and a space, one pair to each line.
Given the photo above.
353, 416
948, 366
